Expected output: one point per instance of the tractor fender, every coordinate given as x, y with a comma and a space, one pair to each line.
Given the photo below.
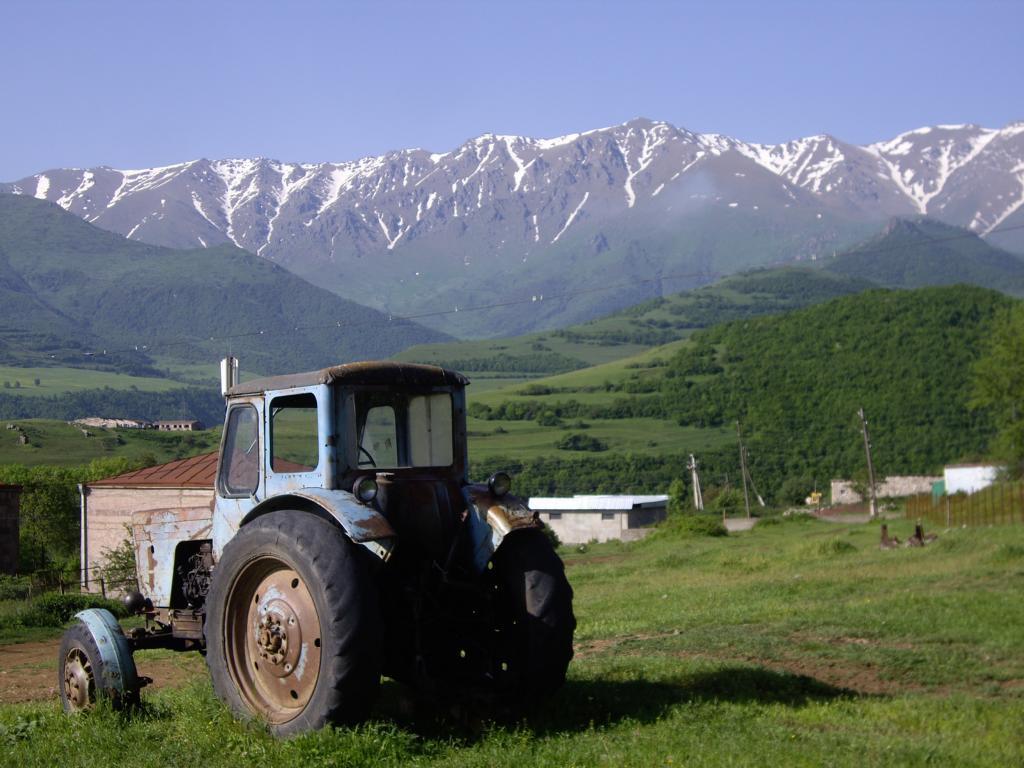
116, 662
492, 518
361, 523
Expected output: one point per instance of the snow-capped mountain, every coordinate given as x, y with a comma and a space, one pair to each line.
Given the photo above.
412, 230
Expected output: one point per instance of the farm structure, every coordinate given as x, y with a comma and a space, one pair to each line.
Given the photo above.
968, 478
580, 519
179, 425
896, 486
10, 503
183, 487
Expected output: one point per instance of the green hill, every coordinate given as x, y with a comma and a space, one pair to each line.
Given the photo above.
67, 288
795, 382
913, 253
631, 331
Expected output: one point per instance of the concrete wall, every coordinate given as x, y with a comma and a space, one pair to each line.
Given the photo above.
109, 510
578, 526
892, 487
10, 504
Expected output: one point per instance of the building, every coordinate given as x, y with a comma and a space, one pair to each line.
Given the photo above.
179, 425
10, 519
893, 487
97, 422
108, 504
580, 519
968, 478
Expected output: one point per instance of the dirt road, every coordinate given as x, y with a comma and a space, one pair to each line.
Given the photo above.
28, 671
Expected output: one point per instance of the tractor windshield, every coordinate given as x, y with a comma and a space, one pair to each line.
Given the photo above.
403, 429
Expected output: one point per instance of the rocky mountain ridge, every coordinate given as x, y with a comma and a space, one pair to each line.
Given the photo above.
412, 229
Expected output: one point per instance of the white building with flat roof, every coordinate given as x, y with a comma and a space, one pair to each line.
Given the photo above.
968, 478
579, 519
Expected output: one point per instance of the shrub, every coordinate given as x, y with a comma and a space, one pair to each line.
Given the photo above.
689, 526
578, 442
14, 587
55, 610
835, 546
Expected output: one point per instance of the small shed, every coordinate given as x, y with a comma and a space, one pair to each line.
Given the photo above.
108, 504
579, 519
10, 522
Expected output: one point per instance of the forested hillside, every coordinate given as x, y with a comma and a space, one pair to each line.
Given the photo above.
794, 382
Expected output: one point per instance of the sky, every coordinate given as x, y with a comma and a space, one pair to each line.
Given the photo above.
145, 83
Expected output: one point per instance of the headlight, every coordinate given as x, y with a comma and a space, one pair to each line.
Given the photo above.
499, 483
365, 489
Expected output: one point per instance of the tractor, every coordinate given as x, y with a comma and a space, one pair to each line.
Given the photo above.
344, 543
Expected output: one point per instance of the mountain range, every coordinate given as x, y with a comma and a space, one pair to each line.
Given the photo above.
74, 294
509, 217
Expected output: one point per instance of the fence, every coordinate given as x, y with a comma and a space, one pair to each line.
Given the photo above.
105, 582
999, 504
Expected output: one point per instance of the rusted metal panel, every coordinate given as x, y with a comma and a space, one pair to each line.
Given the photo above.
156, 534
492, 518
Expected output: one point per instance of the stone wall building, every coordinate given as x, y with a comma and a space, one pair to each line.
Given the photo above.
108, 504
896, 486
580, 519
179, 425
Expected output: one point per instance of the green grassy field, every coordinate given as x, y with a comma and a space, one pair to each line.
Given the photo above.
58, 381
799, 643
61, 444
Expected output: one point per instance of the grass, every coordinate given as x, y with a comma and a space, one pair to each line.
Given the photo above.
61, 444
59, 381
774, 647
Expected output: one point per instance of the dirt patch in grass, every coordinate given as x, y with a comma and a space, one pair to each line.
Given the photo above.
28, 671
839, 673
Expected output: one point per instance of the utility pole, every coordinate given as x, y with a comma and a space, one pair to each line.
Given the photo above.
871, 469
698, 497
743, 469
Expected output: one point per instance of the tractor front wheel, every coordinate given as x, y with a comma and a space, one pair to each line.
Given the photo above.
293, 626
538, 620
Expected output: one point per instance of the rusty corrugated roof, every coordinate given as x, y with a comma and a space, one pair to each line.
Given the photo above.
194, 472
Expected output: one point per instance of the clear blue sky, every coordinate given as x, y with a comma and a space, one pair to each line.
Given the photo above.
139, 83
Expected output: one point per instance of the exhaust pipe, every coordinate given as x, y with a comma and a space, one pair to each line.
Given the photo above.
228, 374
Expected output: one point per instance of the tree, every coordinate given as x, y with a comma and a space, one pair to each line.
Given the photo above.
998, 385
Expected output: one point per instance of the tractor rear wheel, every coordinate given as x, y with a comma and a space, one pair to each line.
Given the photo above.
539, 621
293, 625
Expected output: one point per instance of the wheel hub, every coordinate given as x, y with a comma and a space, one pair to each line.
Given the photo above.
78, 680
277, 655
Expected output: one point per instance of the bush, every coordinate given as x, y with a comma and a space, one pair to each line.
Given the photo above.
579, 442
14, 587
690, 526
835, 546
55, 610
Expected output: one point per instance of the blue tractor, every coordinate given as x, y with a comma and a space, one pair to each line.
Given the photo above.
345, 543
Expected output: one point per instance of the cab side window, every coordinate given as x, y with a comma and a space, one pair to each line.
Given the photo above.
293, 433
240, 464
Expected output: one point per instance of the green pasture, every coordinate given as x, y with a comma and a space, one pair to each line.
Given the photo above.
796, 644
59, 381
61, 444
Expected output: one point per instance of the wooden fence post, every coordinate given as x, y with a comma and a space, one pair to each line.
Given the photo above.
103, 587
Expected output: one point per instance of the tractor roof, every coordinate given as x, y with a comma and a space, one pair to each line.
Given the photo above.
387, 373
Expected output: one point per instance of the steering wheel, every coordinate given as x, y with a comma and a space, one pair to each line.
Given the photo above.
372, 462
